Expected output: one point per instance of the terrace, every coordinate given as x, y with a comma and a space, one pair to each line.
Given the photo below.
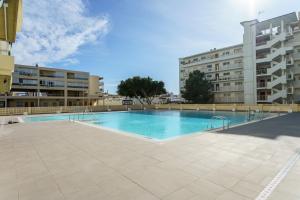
66, 160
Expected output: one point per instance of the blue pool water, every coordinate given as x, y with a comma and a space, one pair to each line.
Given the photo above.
154, 124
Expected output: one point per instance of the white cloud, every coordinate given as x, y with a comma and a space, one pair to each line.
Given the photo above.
53, 31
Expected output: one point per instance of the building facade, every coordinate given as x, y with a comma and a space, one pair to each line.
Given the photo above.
34, 86
10, 24
29, 86
265, 68
223, 67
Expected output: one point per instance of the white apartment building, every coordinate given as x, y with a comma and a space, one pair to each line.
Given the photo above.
264, 69
223, 67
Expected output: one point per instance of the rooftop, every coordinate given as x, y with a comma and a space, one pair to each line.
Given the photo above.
213, 51
276, 21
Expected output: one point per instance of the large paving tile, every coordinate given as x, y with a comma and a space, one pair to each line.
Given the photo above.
159, 181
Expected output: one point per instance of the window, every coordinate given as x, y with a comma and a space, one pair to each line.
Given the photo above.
208, 76
226, 53
203, 58
238, 61
226, 84
227, 94
226, 63
239, 50
226, 74
209, 68
217, 67
238, 83
217, 87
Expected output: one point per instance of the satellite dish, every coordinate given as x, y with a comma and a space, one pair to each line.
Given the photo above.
1, 3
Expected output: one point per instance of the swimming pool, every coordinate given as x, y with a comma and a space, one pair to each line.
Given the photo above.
158, 125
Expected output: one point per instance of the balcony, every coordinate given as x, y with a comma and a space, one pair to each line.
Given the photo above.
290, 90
230, 89
273, 55
78, 76
275, 39
297, 56
25, 84
262, 98
297, 70
261, 72
261, 85
51, 76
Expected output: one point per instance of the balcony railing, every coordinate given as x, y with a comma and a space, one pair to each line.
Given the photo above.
261, 56
51, 76
262, 97
261, 71
261, 85
24, 84
261, 43
26, 73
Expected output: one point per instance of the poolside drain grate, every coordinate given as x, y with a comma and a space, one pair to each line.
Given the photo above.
279, 177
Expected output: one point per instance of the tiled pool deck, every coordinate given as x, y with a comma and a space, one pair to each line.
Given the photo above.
65, 160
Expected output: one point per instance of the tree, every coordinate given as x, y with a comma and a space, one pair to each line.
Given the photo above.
197, 88
141, 88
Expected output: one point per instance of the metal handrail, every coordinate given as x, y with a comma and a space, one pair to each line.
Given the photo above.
223, 118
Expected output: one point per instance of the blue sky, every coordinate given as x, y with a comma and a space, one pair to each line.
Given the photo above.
118, 39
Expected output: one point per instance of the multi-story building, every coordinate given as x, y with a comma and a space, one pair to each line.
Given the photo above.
265, 68
24, 86
41, 86
271, 60
223, 67
10, 24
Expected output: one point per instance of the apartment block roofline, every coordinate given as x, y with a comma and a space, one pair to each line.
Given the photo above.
51, 68
289, 18
285, 16
255, 21
212, 51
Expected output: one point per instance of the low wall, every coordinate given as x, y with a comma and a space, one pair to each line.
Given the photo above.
232, 107
220, 107
70, 109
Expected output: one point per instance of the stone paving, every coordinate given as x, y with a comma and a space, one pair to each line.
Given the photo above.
66, 161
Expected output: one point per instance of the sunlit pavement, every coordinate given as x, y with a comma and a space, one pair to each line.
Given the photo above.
65, 160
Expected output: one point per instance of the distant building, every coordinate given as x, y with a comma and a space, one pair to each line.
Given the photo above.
29, 86
265, 68
41, 86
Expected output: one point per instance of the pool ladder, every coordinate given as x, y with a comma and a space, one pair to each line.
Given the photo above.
255, 115
82, 116
224, 119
